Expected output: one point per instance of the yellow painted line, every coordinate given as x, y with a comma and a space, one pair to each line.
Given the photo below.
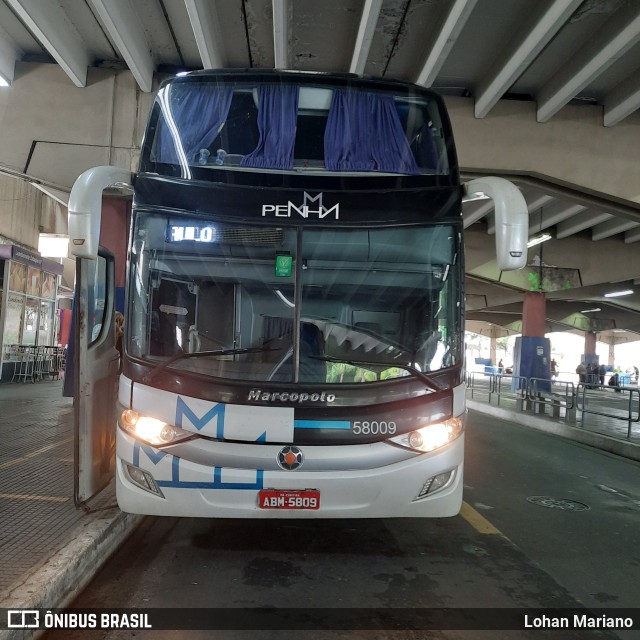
11, 463
18, 496
478, 522
35, 453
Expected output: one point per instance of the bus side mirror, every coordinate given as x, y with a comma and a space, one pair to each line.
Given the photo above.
85, 207
512, 218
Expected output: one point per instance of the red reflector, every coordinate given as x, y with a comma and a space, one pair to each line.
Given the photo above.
289, 499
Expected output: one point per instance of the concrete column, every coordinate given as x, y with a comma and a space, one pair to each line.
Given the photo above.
612, 355
589, 355
493, 349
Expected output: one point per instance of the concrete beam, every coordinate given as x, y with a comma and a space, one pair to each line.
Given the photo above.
521, 52
472, 212
127, 33
632, 236
50, 25
206, 29
622, 101
9, 53
584, 221
612, 228
619, 34
281, 33
368, 21
454, 22
554, 214
573, 148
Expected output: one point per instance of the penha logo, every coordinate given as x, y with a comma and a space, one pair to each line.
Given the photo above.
311, 206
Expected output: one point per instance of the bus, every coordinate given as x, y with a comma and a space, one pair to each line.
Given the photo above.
294, 309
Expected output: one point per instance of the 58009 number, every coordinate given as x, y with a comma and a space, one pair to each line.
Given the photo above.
373, 428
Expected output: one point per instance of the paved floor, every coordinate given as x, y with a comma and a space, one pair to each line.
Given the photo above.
36, 481
49, 549
38, 518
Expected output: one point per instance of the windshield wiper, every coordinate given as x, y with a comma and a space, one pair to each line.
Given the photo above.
429, 382
204, 354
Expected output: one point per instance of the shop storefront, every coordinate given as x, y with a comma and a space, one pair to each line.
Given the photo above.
28, 311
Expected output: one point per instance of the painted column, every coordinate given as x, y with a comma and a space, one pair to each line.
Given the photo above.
532, 355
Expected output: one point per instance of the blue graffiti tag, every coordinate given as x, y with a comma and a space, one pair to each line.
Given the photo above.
175, 482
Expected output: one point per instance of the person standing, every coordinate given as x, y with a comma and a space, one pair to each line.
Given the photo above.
581, 370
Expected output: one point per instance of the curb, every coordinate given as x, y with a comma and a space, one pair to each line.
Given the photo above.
622, 448
60, 579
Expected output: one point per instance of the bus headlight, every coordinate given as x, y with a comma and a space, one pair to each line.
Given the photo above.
150, 430
431, 437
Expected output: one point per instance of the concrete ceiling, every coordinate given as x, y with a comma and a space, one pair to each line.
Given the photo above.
549, 52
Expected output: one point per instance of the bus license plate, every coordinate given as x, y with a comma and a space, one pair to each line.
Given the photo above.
289, 499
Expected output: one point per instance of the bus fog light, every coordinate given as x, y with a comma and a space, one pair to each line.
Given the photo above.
432, 436
150, 430
435, 483
142, 479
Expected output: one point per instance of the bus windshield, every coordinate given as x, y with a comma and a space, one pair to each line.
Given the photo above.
292, 304
278, 124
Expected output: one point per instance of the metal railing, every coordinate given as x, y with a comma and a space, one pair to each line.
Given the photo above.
630, 416
562, 399
33, 363
557, 394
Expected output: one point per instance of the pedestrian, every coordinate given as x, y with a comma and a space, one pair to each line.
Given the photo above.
636, 372
581, 370
593, 374
602, 371
500, 366
554, 368
614, 381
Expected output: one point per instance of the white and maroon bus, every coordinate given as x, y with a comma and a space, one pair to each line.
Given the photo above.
294, 315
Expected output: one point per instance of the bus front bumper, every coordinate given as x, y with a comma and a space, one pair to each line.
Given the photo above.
176, 486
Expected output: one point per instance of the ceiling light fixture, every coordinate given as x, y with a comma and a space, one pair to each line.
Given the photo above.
591, 310
617, 294
543, 237
3, 81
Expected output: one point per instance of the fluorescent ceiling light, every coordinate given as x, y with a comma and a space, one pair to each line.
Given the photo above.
53, 246
3, 81
616, 294
543, 237
591, 310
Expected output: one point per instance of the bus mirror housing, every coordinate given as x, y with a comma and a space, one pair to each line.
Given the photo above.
85, 207
512, 219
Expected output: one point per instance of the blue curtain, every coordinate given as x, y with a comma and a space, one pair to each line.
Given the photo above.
364, 133
198, 112
277, 113
347, 138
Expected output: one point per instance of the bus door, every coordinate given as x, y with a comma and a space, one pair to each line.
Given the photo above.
96, 368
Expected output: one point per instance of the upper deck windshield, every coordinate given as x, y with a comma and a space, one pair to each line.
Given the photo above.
294, 304
280, 124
